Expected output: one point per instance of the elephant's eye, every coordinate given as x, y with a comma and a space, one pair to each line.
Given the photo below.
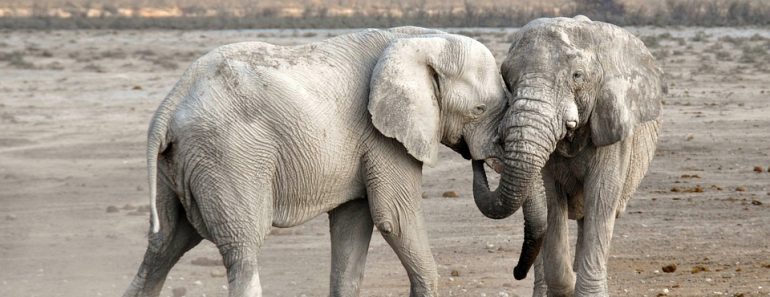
577, 76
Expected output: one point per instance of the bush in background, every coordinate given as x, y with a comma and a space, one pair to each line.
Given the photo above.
672, 12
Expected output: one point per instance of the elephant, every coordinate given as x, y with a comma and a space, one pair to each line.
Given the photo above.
255, 136
579, 135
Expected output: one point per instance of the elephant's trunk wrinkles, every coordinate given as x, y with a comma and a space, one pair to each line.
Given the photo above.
530, 139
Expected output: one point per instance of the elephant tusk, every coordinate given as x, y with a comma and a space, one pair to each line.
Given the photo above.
495, 164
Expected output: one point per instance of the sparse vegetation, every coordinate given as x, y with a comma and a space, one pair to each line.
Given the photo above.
723, 56
16, 60
650, 41
757, 37
700, 36
113, 54
94, 68
753, 54
662, 54
735, 41
469, 14
164, 62
706, 68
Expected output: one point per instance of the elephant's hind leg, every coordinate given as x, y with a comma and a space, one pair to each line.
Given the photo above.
176, 236
351, 229
238, 217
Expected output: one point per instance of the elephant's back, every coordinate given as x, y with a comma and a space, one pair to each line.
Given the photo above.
269, 127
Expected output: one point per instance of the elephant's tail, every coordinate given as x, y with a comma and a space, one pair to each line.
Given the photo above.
157, 141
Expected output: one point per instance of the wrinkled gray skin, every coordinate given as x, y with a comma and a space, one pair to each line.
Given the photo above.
256, 135
578, 138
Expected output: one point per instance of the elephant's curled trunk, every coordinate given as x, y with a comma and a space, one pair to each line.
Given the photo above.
506, 200
529, 143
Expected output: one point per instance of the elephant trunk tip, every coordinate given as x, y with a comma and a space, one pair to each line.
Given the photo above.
529, 252
520, 272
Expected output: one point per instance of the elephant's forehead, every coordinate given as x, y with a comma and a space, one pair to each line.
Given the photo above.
549, 34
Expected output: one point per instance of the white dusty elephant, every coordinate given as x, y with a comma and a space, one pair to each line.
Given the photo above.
578, 139
256, 135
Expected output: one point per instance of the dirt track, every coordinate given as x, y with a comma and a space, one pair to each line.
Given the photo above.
75, 106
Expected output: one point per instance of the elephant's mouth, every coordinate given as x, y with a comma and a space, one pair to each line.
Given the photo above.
461, 147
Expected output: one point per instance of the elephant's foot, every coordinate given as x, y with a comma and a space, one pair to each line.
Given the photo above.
540, 291
563, 288
591, 294
424, 290
138, 288
595, 288
569, 294
242, 273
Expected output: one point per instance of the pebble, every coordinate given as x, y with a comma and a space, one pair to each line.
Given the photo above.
669, 268
450, 194
217, 273
112, 209
179, 291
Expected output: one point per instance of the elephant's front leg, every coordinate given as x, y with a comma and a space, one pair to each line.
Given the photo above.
602, 194
351, 229
595, 247
393, 188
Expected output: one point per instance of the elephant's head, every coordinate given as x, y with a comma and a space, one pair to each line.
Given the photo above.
438, 88
573, 83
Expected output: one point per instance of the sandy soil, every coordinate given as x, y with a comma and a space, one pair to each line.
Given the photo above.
75, 106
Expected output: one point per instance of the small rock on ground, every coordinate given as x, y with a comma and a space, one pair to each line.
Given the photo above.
179, 291
669, 268
450, 194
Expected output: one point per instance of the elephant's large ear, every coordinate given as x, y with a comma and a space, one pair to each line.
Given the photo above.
403, 95
632, 86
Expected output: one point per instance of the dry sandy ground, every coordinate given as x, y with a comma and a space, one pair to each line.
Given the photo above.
74, 107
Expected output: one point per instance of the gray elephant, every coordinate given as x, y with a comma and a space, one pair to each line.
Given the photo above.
579, 135
256, 135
